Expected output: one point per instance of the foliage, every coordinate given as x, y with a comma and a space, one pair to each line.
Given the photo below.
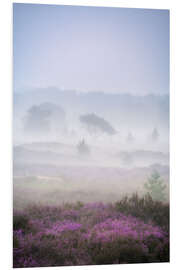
155, 135
96, 124
130, 138
145, 208
156, 187
37, 119
83, 148
20, 221
93, 233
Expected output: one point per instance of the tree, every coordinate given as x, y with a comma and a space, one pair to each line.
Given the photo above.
130, 138
83, 148
154, 135
95, 124
155, 187
45, 117
126, 158
37, 120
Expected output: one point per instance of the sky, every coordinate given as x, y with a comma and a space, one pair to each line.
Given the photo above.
116, 50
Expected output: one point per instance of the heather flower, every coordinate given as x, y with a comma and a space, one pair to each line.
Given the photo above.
60, 227
94, 233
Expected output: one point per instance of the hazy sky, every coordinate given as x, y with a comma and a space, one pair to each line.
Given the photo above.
91, 48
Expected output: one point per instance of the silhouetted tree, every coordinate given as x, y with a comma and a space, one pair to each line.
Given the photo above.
96, 124
130, 138
155, 135
37, 120
83, 148
126, 158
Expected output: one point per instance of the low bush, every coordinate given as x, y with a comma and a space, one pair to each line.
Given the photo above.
133, 230
145, 208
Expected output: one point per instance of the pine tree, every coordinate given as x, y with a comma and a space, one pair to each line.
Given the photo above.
130, 138
155, 135
83, 148
155, 187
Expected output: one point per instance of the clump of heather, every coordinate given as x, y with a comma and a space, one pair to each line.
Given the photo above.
145, 208
84, 234
125, 240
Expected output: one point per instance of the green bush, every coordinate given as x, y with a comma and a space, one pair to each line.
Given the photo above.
145, 208
20, 221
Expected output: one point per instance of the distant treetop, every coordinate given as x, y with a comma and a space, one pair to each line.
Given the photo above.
95, 124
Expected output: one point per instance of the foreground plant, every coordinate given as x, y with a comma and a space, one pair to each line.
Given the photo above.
96, 233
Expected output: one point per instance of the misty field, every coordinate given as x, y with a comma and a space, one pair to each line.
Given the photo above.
90, 135
132, 230
103, 207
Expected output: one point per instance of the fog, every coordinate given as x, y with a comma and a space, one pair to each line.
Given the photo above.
71, 146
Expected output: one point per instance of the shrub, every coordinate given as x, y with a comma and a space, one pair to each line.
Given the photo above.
145, 208
125, 240
20, 221
129, 231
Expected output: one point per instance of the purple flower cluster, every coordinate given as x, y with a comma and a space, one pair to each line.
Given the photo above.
127, 227
59, 227
85, 234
